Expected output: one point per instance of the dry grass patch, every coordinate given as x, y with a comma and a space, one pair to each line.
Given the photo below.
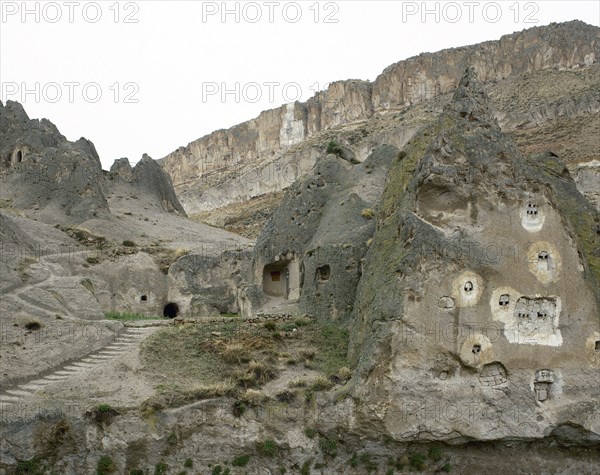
233, 358
236, 353
253, 397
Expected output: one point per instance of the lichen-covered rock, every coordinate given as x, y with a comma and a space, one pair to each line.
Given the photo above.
478, 305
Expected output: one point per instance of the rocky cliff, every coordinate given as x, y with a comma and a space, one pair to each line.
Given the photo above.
270, 152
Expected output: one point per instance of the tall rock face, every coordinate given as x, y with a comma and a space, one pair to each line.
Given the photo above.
257, 151
477, 315
42, 171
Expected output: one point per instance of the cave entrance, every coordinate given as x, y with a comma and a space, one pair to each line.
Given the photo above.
17, 158
323, 273
282, 279
275, 279
171, 310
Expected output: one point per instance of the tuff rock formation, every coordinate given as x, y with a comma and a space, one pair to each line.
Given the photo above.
464, 272
313, 247
477, 316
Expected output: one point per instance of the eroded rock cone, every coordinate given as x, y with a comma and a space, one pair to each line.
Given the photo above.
149, 179
477, 313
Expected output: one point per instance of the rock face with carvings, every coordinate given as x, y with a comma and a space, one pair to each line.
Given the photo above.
265, 154
488, 324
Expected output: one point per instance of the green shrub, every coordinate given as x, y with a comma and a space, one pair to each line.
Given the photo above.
321, 384
136, 471
305, 470
310, 432
241, 460
238, 408
286, 396
92, 260
446, 468
28, 467
334, 148
435, 453
302, 322
160, 468
217, 470
267, 448
189, 463
328, 447
105, 465
365, 460
353, 461
270, 325
128, 243
417, 461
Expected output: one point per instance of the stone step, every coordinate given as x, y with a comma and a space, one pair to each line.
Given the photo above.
8, 398
36, 386
18, 392
55, 377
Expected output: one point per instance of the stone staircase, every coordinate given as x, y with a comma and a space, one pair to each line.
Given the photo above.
16, 394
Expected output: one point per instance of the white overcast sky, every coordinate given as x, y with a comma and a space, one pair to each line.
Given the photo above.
165, 54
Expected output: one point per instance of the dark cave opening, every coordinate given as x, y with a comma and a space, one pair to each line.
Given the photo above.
171, 310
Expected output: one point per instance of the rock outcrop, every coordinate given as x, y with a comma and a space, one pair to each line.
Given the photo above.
148, 178
210, 285
254, 157
312, 248
479, 292
42, 171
